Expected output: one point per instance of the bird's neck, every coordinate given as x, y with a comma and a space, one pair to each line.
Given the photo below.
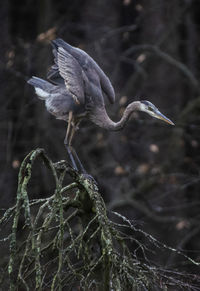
100, 117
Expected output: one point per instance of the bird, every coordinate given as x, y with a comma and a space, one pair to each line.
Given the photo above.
76, 89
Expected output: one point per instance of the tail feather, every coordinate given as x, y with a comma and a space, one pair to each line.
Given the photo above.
42, 88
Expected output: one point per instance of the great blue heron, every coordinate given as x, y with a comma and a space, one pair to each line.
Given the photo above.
76, 90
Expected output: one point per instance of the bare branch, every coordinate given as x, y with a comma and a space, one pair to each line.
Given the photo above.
166, 57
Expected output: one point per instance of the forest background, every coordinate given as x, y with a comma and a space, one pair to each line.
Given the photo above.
150, 50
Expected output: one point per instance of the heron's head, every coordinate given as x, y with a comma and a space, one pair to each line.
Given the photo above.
151, 109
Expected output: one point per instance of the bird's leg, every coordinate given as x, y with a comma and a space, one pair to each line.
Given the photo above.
71, 129
67, 141
69, 123
78, 160
83, 171
72, 133
74, 128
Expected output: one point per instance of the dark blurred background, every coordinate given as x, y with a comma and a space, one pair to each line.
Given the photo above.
150, 50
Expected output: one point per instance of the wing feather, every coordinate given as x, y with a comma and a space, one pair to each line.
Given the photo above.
71, 72
92, 70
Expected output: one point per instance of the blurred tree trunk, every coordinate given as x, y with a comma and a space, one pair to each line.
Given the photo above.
159, 26
101, 18
6, 54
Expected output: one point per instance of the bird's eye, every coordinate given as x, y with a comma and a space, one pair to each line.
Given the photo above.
149, 108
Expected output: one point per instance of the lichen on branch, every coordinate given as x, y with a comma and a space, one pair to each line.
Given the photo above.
69, 240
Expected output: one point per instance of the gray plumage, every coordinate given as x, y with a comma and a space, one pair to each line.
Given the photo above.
76, 89
93, 72
77, 83
58, 100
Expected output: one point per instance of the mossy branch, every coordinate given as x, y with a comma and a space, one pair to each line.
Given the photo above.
70, 241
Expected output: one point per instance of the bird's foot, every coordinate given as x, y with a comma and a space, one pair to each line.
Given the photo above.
89, 177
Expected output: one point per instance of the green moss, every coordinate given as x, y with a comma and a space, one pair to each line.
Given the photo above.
71, 243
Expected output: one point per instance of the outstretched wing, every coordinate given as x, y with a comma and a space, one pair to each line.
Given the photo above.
92, 70
53, 74
71, 72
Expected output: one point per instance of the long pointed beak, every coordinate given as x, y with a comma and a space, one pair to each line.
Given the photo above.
159, 115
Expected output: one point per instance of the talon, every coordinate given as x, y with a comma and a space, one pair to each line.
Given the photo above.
89, 177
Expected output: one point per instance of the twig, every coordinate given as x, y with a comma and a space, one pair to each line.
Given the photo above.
166, 57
